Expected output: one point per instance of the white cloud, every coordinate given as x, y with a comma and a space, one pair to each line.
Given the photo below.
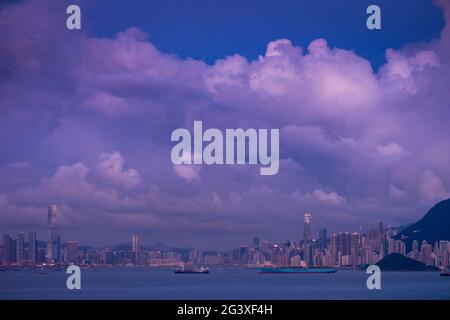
321, 195
188, 172
110, 168
393, 150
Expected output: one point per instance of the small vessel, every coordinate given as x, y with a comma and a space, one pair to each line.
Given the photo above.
192, 270
295, 270
445, 274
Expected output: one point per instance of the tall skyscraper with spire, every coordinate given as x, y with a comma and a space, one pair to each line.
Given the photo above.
307, 235
53, 250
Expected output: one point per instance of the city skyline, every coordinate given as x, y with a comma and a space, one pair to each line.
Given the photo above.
342, 249
87, 117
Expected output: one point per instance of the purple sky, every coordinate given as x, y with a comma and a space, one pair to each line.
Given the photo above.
86, 123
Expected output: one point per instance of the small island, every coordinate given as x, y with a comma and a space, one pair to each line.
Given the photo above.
398, 262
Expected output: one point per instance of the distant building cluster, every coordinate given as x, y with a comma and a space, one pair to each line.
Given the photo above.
343, 249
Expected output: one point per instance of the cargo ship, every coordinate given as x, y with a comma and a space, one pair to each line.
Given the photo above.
296, 270
192, 270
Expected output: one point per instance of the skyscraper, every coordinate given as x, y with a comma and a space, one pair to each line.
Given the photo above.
334, 247
322, 238
53, 238
72, 252
9, 250
6, 249
136, 242
415, 250
20, 248
256, 242
308, 254
381, 229
52, 211
57, 248
243, 253
32, 248
307, 228
340, 246
354, 248
345, 241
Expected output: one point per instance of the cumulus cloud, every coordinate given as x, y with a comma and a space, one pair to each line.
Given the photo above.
355, 142
321, 195
188, 172
392, 150
110, 168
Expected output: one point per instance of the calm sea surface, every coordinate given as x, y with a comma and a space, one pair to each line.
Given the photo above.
221, 283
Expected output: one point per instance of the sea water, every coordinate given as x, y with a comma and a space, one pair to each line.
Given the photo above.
221, 283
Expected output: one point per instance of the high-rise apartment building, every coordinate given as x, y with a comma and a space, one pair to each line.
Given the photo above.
341, 246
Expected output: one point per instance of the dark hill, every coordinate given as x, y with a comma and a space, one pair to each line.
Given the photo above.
398, 262
434, 226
